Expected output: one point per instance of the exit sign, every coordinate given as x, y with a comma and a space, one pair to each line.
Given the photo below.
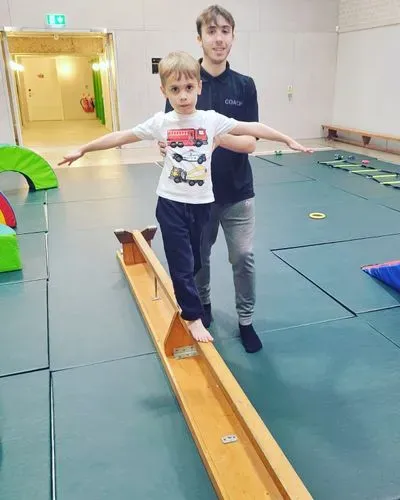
55, 20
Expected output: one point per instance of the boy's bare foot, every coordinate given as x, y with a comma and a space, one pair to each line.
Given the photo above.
198, 331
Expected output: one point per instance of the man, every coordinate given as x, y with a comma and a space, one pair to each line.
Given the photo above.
235, 96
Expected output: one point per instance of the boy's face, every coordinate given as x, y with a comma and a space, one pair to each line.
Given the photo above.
216, 40
182, 93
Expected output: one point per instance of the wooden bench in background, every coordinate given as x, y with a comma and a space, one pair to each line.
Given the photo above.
365, 137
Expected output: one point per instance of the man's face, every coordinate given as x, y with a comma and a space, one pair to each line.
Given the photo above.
182, 93
216, 40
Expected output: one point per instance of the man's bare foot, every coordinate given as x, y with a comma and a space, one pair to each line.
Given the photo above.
198, 331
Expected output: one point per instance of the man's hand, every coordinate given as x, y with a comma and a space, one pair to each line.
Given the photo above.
216, 143
163, 148
71, 157
298, 147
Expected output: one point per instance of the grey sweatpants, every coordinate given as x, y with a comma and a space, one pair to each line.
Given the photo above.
237, 221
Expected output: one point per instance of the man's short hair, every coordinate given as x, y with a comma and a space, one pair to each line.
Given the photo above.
210, 15
178, 64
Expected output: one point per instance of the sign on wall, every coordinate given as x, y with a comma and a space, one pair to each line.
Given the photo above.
55, 20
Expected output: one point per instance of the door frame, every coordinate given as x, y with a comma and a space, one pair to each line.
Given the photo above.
10, 79
11, 87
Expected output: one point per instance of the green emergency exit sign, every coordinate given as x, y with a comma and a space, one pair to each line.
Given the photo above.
55, 20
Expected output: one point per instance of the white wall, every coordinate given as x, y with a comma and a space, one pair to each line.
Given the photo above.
75, 80
4, 13
22, 97
6, 126
56, 96
368, 69
278, 42
364, 14
43, 94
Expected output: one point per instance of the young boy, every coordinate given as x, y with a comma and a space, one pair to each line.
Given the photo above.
185, 188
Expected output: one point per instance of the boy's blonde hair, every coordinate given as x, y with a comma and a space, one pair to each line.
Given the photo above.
178, 64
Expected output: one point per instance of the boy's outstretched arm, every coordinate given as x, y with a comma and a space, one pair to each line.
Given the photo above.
238, 144
260, 130
108, 141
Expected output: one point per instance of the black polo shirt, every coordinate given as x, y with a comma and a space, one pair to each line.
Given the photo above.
233, 95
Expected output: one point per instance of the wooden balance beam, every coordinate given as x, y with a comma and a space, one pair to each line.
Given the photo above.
241, 456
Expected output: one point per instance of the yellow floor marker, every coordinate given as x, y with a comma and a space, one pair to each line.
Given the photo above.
241, 456
389, 183
317, 215
384, 176
365, 171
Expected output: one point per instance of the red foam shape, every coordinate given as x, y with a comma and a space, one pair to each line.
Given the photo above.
7, 211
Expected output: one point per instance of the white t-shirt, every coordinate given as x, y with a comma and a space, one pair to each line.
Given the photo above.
186, 176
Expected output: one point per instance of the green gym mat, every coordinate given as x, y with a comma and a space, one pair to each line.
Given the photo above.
94, 318
352, 183
92, 314
24, 196
77, 237
300, 159
336, 269
292, 227
23, 327
119, 434
34, 260
95, 183
109, 214
330, 395
284, 297
25, 469
386, 322
31, 218
275, 198
390, 202
265, 173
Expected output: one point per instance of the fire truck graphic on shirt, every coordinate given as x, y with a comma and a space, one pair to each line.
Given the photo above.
187, 137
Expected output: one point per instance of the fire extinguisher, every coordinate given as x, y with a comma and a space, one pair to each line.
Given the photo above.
87, 104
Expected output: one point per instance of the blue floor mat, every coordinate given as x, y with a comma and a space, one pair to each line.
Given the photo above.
31, 218
265, 173
308, 165
94, 319
292, 227
25, 469
276, 198
110, 214
385, 322
23, 328
102, 182
120, 434
283, 295
330, 395
92, 314
336, 269
34, 260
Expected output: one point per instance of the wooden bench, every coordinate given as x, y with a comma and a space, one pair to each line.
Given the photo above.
332, 134
241, 456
